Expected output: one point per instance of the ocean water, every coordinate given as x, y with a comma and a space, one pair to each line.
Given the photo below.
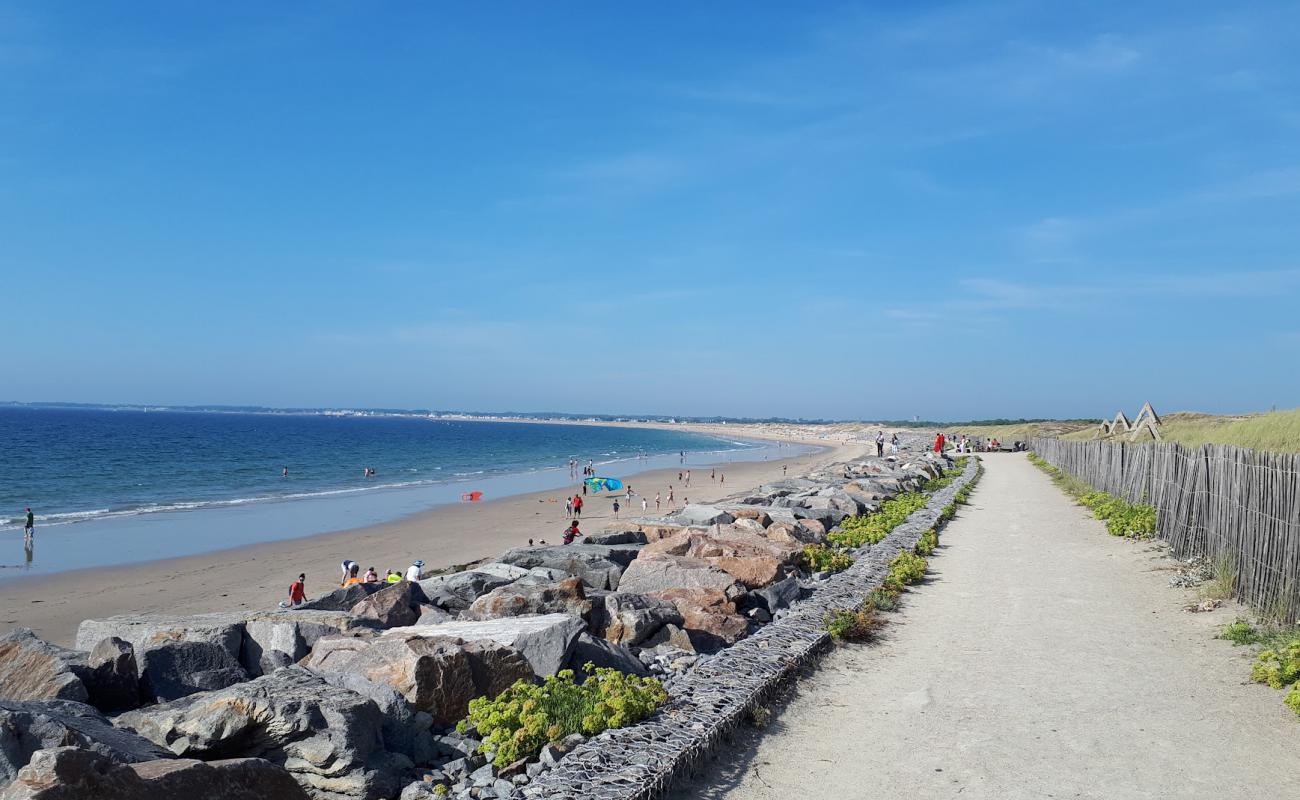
113, 487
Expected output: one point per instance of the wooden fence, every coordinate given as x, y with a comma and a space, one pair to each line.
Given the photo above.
1239, 508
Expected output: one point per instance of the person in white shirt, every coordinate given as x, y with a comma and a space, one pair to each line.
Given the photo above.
413, 572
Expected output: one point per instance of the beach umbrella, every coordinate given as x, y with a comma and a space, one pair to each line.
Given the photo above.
596, 484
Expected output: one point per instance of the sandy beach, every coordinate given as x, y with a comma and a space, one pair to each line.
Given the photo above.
257, 576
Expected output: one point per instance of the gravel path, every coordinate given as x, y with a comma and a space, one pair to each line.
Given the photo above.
1043, 658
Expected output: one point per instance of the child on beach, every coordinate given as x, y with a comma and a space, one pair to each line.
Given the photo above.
571, 532
298, 590
616, 509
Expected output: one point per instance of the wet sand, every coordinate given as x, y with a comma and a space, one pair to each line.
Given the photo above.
257, 576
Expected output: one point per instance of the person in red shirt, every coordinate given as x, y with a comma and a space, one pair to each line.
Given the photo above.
938, 443
298, 590
577, 506
571, 533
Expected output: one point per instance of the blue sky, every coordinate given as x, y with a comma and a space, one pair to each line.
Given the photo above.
840, 210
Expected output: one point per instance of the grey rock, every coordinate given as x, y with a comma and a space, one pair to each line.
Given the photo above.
544, 640
503, 788
393, 606
114, 679
455, 592
628, 618
483, 776
615, 537
669, 637
407, 730
330, 739
145, 631
527, 597
32, 725
602, 653
777, 595
342, 598
33, 669
598, 566
662, 572
175, 669
276, 639
438, 674
70, 773
502, 570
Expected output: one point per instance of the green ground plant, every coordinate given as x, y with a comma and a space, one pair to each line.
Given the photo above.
856, 625
928, 541
1240, 632
1278, 666
518, 722
906, 568
882, 600
871, 528
820, 558
1292, 699
1122, 518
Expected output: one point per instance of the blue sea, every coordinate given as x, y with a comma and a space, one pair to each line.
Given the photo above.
119, 486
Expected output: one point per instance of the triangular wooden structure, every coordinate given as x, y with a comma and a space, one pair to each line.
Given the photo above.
1120, 424
1147, 412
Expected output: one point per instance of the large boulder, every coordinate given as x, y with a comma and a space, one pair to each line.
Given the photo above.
507, 571
601, 653
407, 730
437, 675
544, 640
599, 566
29, 726
778, 595
615, 537
70, 773
114, 678
33, 669
457, 591
393, 606
275, 639
628, 619
654, 573
709, 617
342, 598
525, 597
144, 631
173, 670
330, 739
695, 514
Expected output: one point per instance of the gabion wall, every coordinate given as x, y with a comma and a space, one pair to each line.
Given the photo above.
709, 701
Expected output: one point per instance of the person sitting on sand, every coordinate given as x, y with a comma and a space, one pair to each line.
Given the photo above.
352, 579
372, 576
413, 572
298, 590
393, 576
571, 533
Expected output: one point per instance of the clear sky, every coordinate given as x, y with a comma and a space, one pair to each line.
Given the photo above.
749, 208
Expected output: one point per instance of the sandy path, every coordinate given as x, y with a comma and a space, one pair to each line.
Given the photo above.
257, 577
1043, 659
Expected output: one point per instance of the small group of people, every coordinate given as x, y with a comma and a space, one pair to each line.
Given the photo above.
351, 576
880, 444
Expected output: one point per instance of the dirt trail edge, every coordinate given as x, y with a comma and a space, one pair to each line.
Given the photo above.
1042, 658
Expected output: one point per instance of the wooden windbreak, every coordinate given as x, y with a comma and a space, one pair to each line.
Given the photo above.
1239, 508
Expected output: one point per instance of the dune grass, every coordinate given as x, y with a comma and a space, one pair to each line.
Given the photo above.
1276, 431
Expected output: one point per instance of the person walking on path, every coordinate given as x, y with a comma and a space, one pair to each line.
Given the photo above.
893, 445
938, 443
29, 527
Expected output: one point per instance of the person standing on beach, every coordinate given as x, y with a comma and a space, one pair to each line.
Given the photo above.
722, 478
783, 469
880, 443
29, 527
893, 445
656, 501
688, 477
644, 504
616, 508
568, 507
577, 506
938, 443
670, 498
713, 474
298, 590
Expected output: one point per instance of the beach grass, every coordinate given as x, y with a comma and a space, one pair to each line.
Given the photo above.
1276, 431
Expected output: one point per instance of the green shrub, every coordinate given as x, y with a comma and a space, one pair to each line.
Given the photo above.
1240, 632
1292, 699
855, 625
1278, 667
882, 600
820, 558
518, 722
928, 541
871, 528
909, 567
